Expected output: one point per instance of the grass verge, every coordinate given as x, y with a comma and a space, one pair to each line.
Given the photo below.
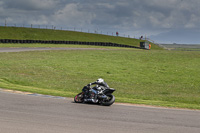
7, 85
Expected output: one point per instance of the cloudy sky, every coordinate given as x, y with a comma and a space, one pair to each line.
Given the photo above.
164, 21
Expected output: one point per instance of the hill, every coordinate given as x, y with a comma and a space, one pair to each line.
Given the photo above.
183, 47
60, 35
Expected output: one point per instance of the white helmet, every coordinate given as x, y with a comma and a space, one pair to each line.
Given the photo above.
100, 80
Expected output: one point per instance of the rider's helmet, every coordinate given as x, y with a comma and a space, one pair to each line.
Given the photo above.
100, 80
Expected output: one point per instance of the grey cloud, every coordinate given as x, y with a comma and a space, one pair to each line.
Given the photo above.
70, 15
31, 4
134, 17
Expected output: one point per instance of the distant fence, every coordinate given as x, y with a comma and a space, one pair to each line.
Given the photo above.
67, 42
53, 27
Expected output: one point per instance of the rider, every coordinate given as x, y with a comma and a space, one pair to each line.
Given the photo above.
99, 82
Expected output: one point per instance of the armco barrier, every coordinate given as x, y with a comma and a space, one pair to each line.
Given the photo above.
67, 42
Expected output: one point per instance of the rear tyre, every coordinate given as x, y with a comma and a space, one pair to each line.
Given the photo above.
79, 98
109, 101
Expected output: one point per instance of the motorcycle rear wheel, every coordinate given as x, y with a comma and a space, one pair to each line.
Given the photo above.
109, 101
79, 98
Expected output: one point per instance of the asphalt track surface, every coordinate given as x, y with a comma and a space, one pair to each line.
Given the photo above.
20, 113
42, 49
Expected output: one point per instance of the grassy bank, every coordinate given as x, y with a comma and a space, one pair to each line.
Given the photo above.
47, 34
162, 78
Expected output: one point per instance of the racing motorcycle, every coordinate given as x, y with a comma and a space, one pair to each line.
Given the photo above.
97, 94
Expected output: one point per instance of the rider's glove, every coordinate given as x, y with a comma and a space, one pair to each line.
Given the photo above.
88, 85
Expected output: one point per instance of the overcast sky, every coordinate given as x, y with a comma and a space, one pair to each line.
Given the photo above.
164, 21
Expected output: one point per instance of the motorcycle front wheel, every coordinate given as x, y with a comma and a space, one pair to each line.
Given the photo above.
109, 101
79, 98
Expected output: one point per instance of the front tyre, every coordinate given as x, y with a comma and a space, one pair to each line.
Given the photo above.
79, 98
109, 101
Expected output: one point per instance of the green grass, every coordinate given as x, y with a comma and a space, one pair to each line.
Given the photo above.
47, 34
161, 78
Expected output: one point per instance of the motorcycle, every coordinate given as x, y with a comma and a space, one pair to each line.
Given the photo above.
97, 94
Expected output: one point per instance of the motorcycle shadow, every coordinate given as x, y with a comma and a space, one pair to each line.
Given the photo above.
90, 103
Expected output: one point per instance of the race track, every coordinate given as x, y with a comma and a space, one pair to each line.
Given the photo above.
42, 49
21, 113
